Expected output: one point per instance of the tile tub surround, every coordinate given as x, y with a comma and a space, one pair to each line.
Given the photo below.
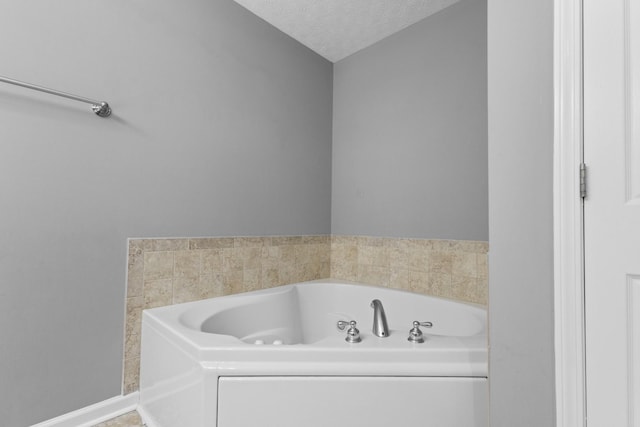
171, 271
455, 269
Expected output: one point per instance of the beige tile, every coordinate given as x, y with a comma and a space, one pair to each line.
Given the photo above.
272, 252
211, 243
251, 257
270, 257
136, 246
325, 270
398, 253
158, 265
370, 241
312, 271
347, 271
440, 262
131, 375
132, 342
299, 274
440, 284
443, 245
158, 293
289, 273
419, 282
324, 252
251, 242
399, 279
132, 346
303, 254
135, 274
464, 288
381, 257
231, 260
374, 275
342, 263
130, 419
344, 253
483, 265
286, 240
319, 253
455, 245
251, 280
270, 277
186, 289
316, 240
310, 240
187, 264
212, 285
135, 302
289, 264
374, 255
232, 282
421, 244
392, 242
165, 245
211, 261
288, 253
463, 246
345, 240
464, 264
419, 258
135, 306
472, 246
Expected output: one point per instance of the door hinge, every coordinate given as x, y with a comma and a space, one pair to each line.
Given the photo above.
583, 180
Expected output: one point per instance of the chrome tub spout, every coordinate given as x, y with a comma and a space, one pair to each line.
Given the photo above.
380, 327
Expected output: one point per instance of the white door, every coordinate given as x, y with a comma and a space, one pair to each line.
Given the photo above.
612, 211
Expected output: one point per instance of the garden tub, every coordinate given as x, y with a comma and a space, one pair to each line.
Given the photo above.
276, 357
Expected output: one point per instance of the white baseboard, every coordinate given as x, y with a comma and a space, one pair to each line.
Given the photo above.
146, 419
95, 414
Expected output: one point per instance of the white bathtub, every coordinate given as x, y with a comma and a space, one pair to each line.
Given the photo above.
275, 358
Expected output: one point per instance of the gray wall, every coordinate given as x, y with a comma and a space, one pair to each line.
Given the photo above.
410, 131
222, 126
521, 213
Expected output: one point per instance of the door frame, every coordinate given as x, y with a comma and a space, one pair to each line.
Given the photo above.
568, 216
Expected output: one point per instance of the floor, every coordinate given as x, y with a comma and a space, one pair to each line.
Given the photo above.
130, 419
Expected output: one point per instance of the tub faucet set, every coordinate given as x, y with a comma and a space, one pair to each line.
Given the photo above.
380, 327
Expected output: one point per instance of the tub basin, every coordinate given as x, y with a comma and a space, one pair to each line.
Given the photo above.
283, 338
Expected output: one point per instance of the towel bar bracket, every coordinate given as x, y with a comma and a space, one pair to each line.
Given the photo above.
102, 109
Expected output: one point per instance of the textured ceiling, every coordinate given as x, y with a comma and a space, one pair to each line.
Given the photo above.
337, 28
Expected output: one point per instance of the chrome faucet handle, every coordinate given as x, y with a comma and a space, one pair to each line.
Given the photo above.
415, 334
342, 324
353, 334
